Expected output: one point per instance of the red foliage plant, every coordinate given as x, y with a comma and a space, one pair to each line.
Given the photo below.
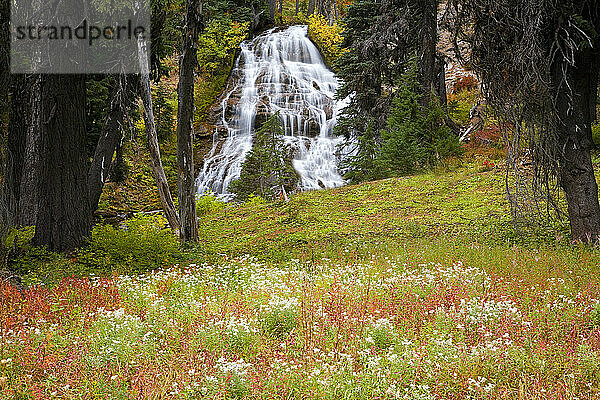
465, 83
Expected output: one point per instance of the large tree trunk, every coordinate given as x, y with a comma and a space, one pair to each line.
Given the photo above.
440, 90
185, 118
427, 50
272, 9
12, 159
4, 64
109, 140
64, 217
164, 192
17, 132
576, 112
311, 7
24, 143
336, 15
320, 7
255, 19
31, 168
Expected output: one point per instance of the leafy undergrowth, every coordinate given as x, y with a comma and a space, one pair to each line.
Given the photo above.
138, 191
407, 288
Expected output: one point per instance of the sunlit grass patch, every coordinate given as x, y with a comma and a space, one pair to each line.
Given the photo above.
459, 205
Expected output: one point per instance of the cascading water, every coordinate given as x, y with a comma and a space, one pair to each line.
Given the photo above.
279, 71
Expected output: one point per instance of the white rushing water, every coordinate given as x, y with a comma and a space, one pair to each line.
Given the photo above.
279, 71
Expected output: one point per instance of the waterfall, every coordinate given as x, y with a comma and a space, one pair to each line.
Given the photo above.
279, 71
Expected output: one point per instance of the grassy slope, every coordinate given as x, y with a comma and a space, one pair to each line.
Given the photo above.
437, 216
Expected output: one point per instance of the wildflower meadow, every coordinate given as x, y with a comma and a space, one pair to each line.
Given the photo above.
245, 329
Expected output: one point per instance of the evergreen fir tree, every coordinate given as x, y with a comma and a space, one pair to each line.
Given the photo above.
267, 167
361, 82
415, 137
382, 37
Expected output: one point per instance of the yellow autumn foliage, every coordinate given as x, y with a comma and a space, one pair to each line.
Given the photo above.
327, 37
218, 43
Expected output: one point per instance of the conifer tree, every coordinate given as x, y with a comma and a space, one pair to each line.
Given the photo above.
415, 136
267, 167
383, 37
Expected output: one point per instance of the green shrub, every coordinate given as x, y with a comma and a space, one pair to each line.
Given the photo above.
268, 166
34, 264
237, 388
595, 316
596, 134
240, 335
589, 362
218, 43
255, 200
40, 266
278, 318
234, 377
37, 265
19, 238
361, 166
207, 204
381, 334
460, 104
278, 323
328, 38
143, 243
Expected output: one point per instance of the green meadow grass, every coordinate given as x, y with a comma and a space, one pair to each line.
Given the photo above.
458, 213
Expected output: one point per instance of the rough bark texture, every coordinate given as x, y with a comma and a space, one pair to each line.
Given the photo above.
107, 143
440, 90
31, 167
272, 9
24, 148
576, 115
336, 14
427, 50
17, 131
185, 116
4, 65
64, 217
539, 69
157, 168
